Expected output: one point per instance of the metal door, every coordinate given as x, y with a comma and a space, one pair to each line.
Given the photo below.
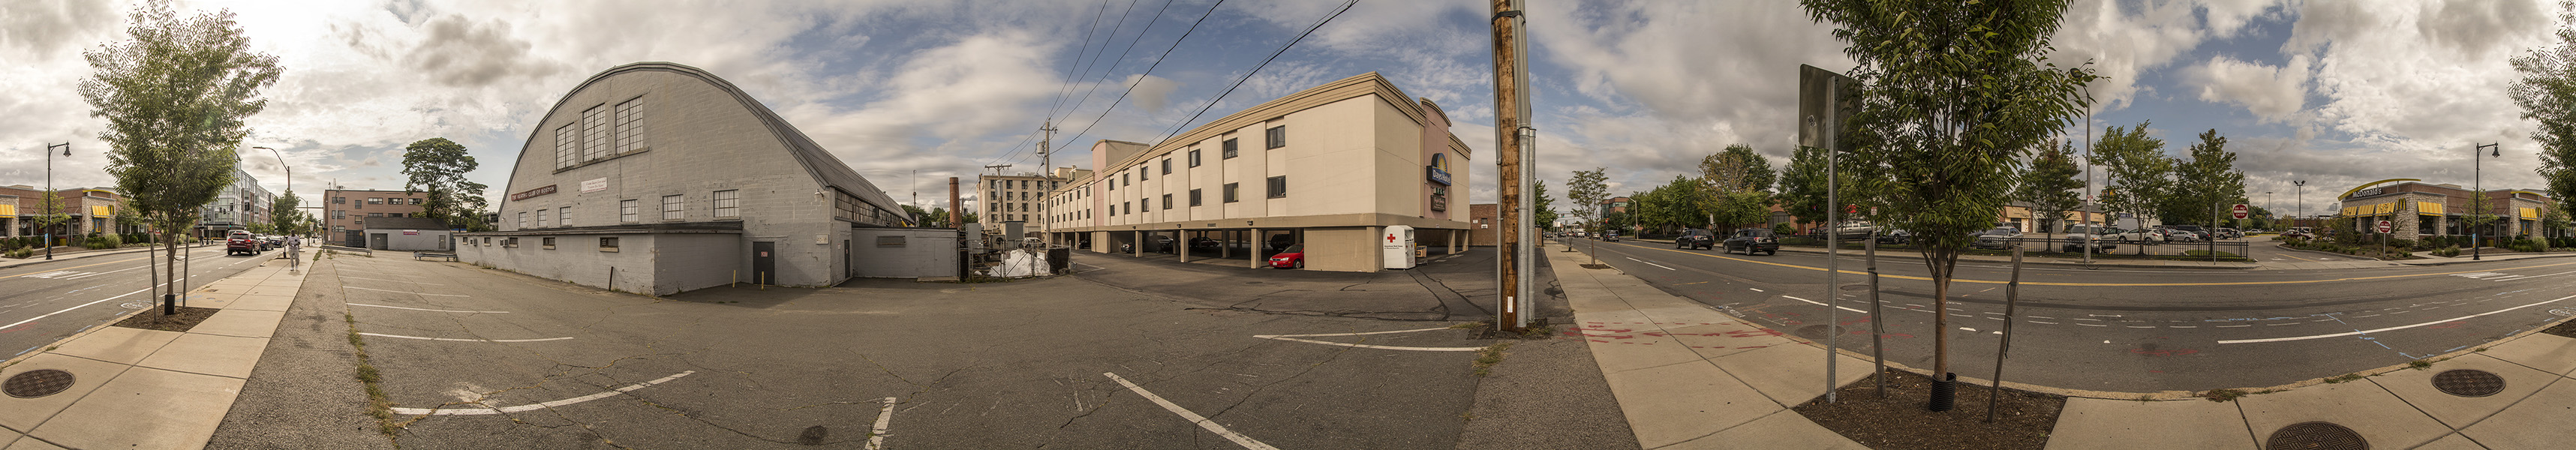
764, 262
356, 238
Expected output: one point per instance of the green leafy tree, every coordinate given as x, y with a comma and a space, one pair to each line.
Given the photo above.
2138, 169
1802, 187
1736, 185
2547, 95
175, 96
1953, 96
1546, 206
50, 216
1587, 190
2202, 184
283, 218
2049, 186
438, 166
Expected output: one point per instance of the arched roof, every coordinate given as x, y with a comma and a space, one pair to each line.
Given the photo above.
819, 163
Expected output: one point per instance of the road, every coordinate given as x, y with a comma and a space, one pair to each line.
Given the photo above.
45, 302
2131, 330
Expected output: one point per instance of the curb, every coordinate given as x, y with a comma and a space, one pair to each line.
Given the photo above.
79, 255
2246, 266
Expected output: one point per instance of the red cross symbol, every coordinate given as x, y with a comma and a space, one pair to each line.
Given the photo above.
1390, 238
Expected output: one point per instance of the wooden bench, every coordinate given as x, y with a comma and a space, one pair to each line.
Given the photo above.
418, 255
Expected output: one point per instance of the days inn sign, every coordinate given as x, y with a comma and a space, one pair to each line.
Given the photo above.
1438, 171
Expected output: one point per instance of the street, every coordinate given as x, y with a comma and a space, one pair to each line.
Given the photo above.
43, 302
2130, 330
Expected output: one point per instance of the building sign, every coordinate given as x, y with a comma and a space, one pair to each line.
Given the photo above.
532, 193
2368, 192
411, 232
1439, 202
594, 185
1438, 171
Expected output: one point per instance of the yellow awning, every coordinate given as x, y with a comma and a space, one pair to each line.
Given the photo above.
102, 211
2428, 208
2386, 208
8, 210
2531, 213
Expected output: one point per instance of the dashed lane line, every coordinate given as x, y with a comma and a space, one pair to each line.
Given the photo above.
537, 406
876, 439
1653, 264
1845, 308
1202, 421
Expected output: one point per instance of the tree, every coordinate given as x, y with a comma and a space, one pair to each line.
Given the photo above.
50, 214
1587, 191
2049, 186
2203, 183
1546, 207
1802, 188
438, 166
284, 218
1737, 185
2138, 169
2547, 94
175, 96
1952, 96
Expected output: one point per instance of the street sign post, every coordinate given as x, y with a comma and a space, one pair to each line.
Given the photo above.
2386, 227
2239, 211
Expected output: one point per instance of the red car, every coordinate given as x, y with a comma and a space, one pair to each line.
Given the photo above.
1292, 258
242, 244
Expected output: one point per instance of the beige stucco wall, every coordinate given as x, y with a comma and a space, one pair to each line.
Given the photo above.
1343, 249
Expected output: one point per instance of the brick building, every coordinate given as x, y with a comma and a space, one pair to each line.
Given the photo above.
93, 211
345, 212
2420, 209
1483, 217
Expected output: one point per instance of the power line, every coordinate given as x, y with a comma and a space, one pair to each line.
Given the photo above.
1149, 70
1238, 82
1122, 55
1067, 89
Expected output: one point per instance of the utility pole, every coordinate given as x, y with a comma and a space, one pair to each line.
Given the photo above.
2476, 244
2090, 229
53, 200
1515, 158
1046, 171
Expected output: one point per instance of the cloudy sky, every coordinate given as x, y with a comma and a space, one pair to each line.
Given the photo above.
2333, 92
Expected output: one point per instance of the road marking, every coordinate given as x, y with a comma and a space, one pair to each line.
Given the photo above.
1652, 264
1757, 290
876, 439
1294, 337
93, 302
2035, 321
402, 292
537, 406
2043, 283
1845, 308
1971, 330
2181, 326
465, 340
2092, 325
1203, 422
425, 309
396, 281
2233, 326
2355, 332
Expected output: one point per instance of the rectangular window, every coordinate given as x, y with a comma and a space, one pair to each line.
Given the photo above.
1167, 166
626, 211
594, 140
671, 207
1194, 157
375, 214
1279, 186
1126, 207
550, 243
541, 218
415, 201
1278, 136
1229, 149
567, 144
630, 126
1194, 198
338, 214
339, 200
1147, 203
339, 229
1233, 192
729, 203
375, 200
1167, 201
563, 216
523, 219
1142, 173
608, 243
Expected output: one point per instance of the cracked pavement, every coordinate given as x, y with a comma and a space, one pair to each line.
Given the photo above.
990, 365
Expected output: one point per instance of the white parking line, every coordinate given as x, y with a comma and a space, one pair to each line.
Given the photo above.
1294, 337
425, 309
1195, 418
2356, 332
403, 292
1653, 264
530, 407
465, 340
876, 440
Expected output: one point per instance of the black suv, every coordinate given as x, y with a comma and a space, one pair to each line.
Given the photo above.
1751, 240
1695, 239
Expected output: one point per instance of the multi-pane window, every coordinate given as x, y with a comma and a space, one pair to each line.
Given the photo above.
337, 214
671, 207
567, 144
729, 203
607, 243
1142, 174
1194, 198
630, 125
523, 219
1279, 186
1167, 201
594, 124
541, 218
563, 216
1229, 149
1233, 192
375, 200
626, 210
1194, 157
1167, 166
1278, 137
339, 200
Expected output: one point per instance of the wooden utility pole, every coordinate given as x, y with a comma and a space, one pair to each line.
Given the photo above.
1514, 156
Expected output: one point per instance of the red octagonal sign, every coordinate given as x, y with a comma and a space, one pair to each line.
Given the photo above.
2239, 211
2386, 226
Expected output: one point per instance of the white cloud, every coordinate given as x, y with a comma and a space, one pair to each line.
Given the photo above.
2271, 93
1151, 92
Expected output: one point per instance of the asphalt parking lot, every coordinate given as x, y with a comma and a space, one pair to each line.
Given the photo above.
476, 358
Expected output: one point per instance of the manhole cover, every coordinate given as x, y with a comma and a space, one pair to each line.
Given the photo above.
2316, 436
2468, 383
37, 383
813, 435
1817, 331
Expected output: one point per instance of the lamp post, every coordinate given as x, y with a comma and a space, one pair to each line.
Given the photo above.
2477, 171
2299, 189
290, 176
52, 199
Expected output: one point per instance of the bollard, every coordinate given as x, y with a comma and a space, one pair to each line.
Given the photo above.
169, 304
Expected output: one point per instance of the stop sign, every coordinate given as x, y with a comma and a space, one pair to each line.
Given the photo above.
2239, 211
2386, 226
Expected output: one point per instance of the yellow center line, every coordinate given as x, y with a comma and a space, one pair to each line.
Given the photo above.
2043, 283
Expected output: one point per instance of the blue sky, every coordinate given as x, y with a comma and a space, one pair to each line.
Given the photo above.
2333, 92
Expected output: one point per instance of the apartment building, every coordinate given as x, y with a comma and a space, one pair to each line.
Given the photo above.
345, 212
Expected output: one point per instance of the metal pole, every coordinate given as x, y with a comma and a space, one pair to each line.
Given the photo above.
2012, 297
2476, 249
1833, 249
1877, 327
1046, 172
52, 200
2092, 229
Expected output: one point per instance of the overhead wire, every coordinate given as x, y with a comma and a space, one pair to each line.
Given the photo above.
1238, 82
1014, 151
1149, 70
1122, 54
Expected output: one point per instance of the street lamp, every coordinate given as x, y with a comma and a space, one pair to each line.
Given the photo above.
52, 199
290, 173
2299, 189
2477, 171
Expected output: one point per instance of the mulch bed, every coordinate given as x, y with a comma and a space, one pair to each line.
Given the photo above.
151, 319
1901, 422
2567, 329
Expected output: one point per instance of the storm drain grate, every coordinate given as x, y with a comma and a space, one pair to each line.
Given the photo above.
2316, 436
2468, 382
37, 383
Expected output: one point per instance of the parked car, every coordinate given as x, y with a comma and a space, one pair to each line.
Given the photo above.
1610, 236
1996, 238
1282, 241
1896, 237
1695, 239
2179, 235
241, 243
1751, 240
1202, 243
2138, 236
2302, 234
2075, 244
271, 242
2195, 229
1850, 229
1292, 258
2228, 233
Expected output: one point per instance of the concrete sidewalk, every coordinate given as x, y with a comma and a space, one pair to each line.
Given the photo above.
1688, 376
149, 389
